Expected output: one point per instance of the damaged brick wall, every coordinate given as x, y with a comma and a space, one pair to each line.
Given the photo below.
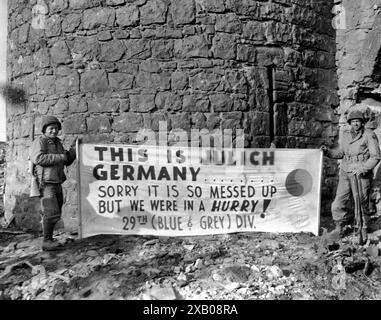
107, 68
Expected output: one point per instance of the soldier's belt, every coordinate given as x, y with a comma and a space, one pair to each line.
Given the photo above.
357, 158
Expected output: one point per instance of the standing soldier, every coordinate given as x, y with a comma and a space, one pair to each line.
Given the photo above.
49, 158
360, 153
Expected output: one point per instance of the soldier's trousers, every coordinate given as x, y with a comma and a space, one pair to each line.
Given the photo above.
344, 194
51, 207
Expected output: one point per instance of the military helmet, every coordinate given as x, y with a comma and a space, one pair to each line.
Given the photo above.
49, 120
356, 114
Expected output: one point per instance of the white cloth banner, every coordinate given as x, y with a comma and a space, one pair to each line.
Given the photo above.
179, 191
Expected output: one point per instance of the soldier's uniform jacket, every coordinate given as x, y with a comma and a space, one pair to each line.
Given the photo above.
359, 152
48, 155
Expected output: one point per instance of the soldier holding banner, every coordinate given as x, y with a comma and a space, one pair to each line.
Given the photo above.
360, 153
49, 158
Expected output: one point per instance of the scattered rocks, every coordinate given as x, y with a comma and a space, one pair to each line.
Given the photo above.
92, 253
254, 269
269, 244
237, 273
228, 260
177, 269
243, 291
189, 268
142, 253
189, 247
151, 271
373, 250
161, 293
198, 264
274, 272
232, 286
217, 277
377, 233
279, 290
286, 272
164, 269
10, 248
182, 277
150, 242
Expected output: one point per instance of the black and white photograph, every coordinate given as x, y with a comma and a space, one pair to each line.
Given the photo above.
190, 157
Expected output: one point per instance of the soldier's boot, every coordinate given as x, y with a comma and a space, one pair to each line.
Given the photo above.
338, 232
48, 243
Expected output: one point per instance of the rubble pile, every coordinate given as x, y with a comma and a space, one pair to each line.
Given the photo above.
241, 266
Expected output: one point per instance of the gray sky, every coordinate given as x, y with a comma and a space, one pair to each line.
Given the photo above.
3, 51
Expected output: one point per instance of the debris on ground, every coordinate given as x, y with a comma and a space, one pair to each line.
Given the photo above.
242, 266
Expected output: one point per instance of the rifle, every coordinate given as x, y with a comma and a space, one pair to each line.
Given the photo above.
359, 211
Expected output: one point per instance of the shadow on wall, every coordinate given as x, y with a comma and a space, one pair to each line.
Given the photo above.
13, 94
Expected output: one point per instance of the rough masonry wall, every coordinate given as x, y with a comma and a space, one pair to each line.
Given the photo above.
358, 37
108, 68
358, 24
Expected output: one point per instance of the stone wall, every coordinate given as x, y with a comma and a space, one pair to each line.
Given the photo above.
3, 148
358, 52
358, 37
108, 68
